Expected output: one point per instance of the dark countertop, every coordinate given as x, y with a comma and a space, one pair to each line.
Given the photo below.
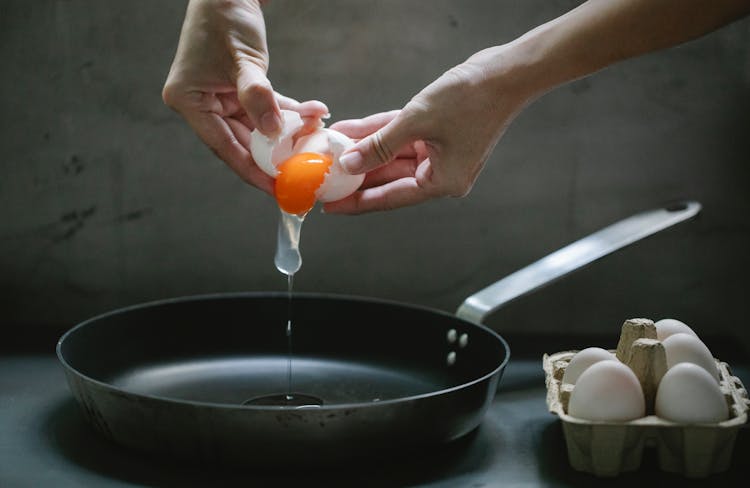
44, 441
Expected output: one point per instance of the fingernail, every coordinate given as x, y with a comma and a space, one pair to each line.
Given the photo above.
325, 116
270, 123
352, 162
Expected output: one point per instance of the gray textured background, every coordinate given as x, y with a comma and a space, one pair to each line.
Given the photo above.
108, 199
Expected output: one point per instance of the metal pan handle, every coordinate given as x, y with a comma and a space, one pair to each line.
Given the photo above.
572, 257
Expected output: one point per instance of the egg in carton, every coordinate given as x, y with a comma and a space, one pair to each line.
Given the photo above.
690, 446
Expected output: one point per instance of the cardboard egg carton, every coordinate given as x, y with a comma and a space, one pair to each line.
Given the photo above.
610, 448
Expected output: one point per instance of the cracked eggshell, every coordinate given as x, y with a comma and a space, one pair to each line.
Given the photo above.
682, 347
315, 142
582, 360
689, 394
607, 391
270, 152
338, 183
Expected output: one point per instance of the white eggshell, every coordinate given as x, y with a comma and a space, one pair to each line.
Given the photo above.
682, 348
270, 152
608, 391
582, 360
667, 327
315, 142
688, 394
338, 183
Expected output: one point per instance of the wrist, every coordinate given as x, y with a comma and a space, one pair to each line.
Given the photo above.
552, 54
512, 72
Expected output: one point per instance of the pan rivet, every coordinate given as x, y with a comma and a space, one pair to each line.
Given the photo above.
451, 359
451, 336
463, 341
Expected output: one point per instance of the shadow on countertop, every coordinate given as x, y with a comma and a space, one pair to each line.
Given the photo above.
68, 434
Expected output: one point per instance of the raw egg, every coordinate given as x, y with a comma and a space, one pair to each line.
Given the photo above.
299, 178
305, 165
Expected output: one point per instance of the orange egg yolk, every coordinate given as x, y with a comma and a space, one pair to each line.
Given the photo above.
299, 178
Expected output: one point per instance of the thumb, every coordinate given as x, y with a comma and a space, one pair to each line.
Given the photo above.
378, 148
256, 96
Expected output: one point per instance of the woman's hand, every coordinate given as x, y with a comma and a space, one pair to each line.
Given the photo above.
438, 143
218, 83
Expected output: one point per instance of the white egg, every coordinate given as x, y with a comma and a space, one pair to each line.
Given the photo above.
667, 327
582, 360
688, 394
269, 153
682, 347
609, 391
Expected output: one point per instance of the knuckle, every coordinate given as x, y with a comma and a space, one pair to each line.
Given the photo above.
388, 204
169, 95
416, 121
222, 147
358, 205
380, 149
250, 93
465, 75
417, 114
225, 4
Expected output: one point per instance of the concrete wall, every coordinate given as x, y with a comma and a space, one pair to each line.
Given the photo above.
108, 199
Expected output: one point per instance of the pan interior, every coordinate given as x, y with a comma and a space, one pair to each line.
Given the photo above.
230, 349
235, 380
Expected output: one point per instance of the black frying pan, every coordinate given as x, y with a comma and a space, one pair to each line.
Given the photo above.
206, 377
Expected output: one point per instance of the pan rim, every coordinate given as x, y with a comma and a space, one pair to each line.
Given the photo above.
280, 408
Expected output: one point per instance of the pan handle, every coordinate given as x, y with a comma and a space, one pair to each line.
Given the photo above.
572, 257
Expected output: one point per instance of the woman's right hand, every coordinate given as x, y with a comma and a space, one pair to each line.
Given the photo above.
218, 83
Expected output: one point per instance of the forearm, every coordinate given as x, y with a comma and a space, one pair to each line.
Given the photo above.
599, 33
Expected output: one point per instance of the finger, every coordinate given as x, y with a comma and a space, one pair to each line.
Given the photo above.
244, 120
309, 108
360, 128
286, 102
309, 125
257, 98
396, 169
312, 111
241, 131
313, 108
217, 134
230, 105
380, 147
396, 194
